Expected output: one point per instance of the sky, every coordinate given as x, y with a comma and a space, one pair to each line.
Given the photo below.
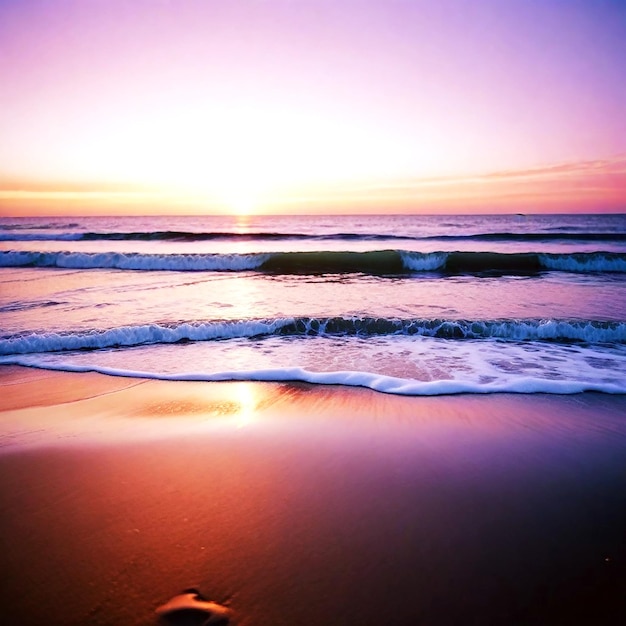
306, 106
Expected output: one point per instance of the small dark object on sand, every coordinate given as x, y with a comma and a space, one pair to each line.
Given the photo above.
190, 608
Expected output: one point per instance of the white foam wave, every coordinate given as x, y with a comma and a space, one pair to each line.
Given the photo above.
546, 330
424, 262
137, 335
582, 263
505, 330
377, 382
134, 261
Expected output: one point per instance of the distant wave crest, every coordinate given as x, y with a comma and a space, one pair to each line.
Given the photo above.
21, 233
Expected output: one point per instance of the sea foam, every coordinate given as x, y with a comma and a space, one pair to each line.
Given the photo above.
376, 382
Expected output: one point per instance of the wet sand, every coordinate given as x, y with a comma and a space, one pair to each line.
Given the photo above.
307, 505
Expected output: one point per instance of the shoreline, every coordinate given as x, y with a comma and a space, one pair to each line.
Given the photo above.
302, 504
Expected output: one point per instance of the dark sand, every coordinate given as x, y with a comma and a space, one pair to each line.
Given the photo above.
302, 505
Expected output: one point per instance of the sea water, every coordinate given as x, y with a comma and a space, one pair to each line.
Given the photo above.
401, 304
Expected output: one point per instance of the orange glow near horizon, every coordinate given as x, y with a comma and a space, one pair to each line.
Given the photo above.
597, 186
311, 107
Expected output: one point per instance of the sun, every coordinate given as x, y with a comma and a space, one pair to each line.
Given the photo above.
240, 202
241, 190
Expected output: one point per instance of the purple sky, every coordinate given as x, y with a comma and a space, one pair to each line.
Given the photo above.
245, 104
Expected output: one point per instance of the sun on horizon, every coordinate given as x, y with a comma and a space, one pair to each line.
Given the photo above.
283, 107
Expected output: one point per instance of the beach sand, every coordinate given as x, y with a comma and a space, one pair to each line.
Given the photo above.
306, 505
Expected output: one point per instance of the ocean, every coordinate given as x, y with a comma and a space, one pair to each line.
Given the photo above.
403, 304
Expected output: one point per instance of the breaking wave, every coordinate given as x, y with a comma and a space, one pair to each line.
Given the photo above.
383, 262
559, 331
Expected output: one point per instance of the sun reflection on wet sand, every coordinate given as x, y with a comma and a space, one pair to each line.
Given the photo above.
246, 394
